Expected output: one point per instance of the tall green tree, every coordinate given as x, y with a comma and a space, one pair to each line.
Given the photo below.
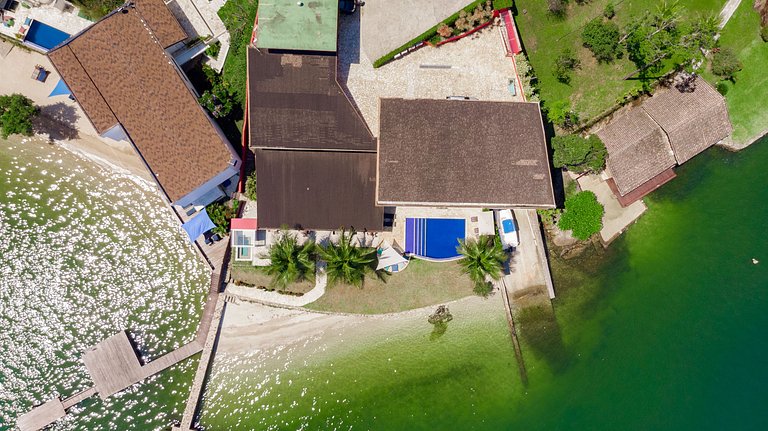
583, 215
579, 154
602, 38
482, 258
347, 263
16, 114
291, 262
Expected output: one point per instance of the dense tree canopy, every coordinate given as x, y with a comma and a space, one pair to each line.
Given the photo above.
583, 215
579, 154
725, 63
16, 114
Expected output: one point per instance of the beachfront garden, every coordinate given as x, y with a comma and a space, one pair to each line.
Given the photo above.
593, 56
749, 85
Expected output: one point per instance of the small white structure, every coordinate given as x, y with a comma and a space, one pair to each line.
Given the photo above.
243, 238
389, 259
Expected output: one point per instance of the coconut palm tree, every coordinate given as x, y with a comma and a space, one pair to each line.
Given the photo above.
483, 258
291, 262
346, 263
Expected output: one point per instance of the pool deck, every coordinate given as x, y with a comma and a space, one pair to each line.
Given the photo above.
67, 22
482, 225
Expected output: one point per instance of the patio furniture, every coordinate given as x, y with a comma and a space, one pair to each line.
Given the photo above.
40, 74
216, 237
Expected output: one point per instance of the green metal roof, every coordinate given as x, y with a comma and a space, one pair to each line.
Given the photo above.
298, 24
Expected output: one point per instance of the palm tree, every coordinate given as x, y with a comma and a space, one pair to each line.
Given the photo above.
347, 263
483, 258
291, 262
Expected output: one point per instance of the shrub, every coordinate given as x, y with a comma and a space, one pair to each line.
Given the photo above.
564, 64
583, 215
609, 11
722, 87
213, 49
219, 100
549, 216
527, 77
502, 4
556, 7
602, 38
725, 63
16, 114
764, 33
578, 154
560, 114
221, 214
250, 186
238, 17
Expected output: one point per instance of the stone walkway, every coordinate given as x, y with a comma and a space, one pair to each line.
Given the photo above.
727, 12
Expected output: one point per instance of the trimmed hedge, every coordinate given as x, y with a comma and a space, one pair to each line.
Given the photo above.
427, 35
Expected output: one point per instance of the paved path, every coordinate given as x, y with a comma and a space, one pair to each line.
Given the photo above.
728, 10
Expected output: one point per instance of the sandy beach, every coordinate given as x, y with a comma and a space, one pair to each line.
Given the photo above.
250, 327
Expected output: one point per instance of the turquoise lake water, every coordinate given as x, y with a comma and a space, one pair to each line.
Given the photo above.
665, 330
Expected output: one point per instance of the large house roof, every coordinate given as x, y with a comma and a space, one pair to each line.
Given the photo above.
638, 150
296, 102
119, 73
463, 153
298, 25
164, 25
694, 120
317, 190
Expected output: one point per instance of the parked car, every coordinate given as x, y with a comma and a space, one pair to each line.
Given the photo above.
507, 229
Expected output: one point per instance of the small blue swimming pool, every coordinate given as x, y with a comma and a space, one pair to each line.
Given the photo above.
45, 36
435, 238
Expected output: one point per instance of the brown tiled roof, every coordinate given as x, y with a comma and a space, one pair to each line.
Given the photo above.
88, 95
317, 189
638, 149
118, 66
162, 22
446, 152
296, 102
693, 120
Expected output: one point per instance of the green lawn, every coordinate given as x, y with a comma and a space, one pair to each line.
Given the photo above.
745, 97
420, 284
594, 87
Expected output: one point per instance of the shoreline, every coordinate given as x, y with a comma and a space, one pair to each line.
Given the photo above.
729, 144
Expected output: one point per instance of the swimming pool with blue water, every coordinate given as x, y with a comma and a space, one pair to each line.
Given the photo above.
435, 238
45, 36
